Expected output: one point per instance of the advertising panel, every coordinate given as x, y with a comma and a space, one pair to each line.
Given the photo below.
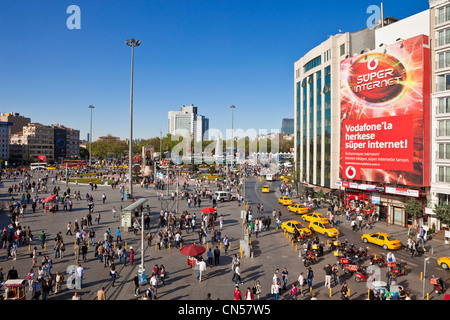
60, 138
385, 101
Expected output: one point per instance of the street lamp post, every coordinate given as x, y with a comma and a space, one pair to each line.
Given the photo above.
425, 261
232, 134
132, 43
90, 138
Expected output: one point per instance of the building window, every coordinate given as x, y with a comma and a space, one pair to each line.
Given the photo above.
443, 199
444, 128
313, 63
342, 49
444, 174
444, 105
443, 37
444, 60
443, 14
443, 82
444, 151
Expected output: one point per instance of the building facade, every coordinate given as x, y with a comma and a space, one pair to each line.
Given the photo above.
16, 119
287, 126
188, 119
440, 106
54, 142
317, 102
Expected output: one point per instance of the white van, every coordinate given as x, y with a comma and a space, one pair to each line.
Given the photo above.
224, 196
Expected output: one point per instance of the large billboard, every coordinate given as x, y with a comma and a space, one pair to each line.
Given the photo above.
385, 122
60, 138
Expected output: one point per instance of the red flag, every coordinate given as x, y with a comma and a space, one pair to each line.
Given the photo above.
41, 158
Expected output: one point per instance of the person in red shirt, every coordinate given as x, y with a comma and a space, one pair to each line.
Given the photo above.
237, 294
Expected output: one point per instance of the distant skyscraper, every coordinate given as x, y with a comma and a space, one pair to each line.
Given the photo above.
188, 118
287, 126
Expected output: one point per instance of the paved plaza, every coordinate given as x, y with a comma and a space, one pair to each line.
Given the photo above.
271, 250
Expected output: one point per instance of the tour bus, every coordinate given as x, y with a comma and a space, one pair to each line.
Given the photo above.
270, 177
38, 166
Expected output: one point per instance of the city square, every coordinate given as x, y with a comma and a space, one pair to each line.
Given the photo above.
123, 192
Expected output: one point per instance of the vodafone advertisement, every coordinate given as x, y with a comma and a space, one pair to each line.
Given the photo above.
385, 101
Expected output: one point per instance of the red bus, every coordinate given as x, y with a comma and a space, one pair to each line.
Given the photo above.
72, 163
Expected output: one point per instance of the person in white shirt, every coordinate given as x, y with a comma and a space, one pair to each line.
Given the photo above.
80, 274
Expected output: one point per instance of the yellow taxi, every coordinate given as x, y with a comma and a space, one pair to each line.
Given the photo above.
285, 201
382, 239
265, 189
51, 168
292, 225
444, 262
314, 216
324, 227
298, 208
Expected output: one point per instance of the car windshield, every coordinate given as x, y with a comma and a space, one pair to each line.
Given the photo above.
391, 238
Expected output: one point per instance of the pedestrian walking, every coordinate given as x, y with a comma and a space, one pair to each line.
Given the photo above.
285, 277
310, 278
328, 273
136, 284
237, 272
113, 273
216, 256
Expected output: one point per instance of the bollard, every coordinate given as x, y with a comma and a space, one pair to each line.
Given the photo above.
296, 249
169, 245
428, 296
114, 244
229, 245
421, 276
221, 245
207, 245
310, 291
330, 293
368, 294
125, 245
349, 293
156, 246
29, 248
45, 246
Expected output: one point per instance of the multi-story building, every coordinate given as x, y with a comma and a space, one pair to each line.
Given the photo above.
4, 140
38, 140
16, 119
188, 119
287, 126
55, 142
440, 106
317, 102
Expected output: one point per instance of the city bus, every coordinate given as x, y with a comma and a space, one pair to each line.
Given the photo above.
73, 163
38, 166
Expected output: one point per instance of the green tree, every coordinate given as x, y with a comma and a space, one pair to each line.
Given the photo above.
442, 213
413, 208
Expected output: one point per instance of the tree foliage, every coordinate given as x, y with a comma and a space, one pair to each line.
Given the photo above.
442, 213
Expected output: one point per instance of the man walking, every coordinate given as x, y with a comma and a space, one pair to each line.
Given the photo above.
216, 256
328, 273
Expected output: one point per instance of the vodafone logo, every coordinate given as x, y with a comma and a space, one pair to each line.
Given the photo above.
350, 172
372, 64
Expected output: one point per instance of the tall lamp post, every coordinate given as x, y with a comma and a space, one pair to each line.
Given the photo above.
232, 134
90, 138
142, 275
132, 43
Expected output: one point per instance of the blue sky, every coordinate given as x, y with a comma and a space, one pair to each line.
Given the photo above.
211, 53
